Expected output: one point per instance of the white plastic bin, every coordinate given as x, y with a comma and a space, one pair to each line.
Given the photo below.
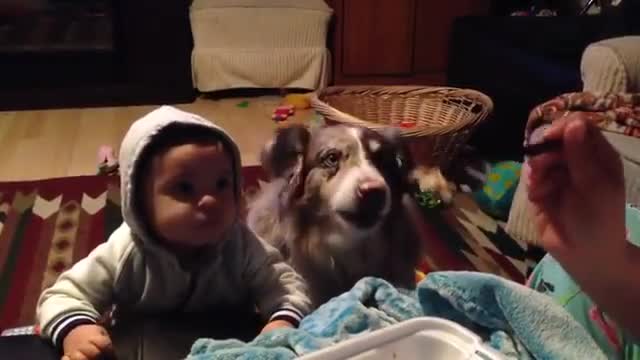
421, 338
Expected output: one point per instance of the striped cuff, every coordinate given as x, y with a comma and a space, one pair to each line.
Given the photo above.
61, 328
290, 315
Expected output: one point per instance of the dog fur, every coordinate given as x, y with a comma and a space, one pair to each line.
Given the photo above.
336, 206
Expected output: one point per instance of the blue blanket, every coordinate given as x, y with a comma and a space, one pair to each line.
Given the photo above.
513, 319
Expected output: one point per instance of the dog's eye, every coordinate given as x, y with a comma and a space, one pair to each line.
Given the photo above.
331, 159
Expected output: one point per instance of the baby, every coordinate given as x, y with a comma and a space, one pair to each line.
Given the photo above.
182, 245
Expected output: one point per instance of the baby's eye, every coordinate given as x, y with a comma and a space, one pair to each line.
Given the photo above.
185, 188
222, 184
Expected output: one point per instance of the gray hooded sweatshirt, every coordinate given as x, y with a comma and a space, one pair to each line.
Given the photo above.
132, 270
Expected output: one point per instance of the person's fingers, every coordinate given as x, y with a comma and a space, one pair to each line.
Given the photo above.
90, 350
607, 156
103, 343
548, 193
583, 169
556, 131
546, 161
65, 357
547, 187
550, 228
594, 159
77, 355
590, 157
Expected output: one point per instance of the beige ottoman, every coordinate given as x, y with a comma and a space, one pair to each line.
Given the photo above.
260, 44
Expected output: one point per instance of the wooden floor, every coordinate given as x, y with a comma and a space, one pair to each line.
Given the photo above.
57, 143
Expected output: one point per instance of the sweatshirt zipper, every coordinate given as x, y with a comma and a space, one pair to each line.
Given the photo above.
193, 283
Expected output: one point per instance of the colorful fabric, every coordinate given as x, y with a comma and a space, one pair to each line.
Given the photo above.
512, 319
551, 279
618, 113
496, 195
48, 225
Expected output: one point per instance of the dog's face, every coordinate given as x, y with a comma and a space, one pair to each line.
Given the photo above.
353, 170
350, 176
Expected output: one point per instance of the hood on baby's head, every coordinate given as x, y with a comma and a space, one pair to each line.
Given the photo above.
141, 135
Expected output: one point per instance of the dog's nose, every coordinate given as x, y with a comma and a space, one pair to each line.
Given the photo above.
370, 186
372, 196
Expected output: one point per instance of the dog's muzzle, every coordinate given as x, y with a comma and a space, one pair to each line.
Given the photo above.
370, 204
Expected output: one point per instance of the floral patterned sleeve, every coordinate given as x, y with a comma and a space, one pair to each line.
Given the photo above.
550, 278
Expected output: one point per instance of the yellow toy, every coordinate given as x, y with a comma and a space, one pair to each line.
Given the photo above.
299, 101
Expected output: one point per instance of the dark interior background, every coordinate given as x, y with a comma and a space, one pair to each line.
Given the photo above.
73, 53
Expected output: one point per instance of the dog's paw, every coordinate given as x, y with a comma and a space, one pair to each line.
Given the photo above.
432, 180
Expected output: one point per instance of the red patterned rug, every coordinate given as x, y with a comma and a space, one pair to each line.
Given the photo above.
47, 225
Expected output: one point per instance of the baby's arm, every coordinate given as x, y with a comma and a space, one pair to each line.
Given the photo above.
69, 310
281, 293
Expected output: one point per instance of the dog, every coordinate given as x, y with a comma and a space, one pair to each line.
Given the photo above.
336, 206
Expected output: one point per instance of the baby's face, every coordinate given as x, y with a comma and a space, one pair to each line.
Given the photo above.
190, 198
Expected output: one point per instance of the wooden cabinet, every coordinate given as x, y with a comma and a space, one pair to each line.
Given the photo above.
394, 41
370, 23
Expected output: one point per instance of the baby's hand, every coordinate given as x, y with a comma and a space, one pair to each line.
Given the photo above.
276, 324
86, 342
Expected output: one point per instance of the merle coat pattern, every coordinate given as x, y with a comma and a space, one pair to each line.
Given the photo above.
336, 206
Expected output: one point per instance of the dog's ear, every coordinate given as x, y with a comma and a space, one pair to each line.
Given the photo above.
283, 158
280, 155
391, 134
403, 159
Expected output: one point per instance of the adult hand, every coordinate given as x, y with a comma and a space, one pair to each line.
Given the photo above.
578, 192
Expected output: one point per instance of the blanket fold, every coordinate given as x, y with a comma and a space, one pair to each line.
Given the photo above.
515, 320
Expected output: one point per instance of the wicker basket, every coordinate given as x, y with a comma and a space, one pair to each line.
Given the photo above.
444, 117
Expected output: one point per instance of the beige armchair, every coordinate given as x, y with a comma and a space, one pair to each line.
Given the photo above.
612, 65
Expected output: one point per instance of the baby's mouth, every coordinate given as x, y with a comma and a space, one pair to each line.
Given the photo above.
207, 220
